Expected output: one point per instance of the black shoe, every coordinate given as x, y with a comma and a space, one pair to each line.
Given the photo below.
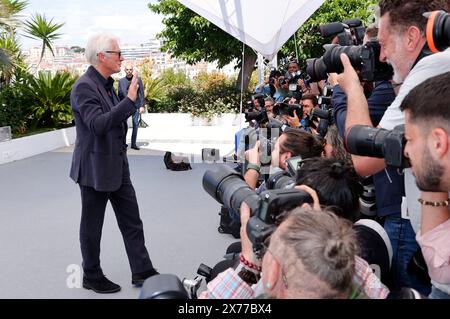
138, 279
135, 147
101, 286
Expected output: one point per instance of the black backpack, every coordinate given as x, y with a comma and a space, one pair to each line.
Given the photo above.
174, 166
228, 225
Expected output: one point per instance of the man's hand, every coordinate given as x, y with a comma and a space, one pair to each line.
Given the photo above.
313, 194
252, 155
275, 156
293, 121
141, 109
348, 80
333, 78
134, 85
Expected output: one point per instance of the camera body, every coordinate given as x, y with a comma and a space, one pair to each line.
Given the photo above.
283, 179
273, 207
377, 142
287, 109
254, 113
364, 58
230, 189
347, 32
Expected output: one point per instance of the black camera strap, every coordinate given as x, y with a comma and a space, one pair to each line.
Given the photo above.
423, 53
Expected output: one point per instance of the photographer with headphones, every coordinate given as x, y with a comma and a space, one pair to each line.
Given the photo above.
403, 39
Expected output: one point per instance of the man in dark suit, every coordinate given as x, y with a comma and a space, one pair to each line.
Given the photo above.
100, 164
124, 84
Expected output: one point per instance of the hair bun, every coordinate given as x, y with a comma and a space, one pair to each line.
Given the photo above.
335, 254
337, 169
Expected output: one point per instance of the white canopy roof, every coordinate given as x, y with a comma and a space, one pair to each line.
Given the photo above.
264, 25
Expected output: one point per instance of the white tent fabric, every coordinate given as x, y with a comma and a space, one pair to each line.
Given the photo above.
264, 25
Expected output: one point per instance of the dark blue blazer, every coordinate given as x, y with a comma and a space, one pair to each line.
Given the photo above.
99, 152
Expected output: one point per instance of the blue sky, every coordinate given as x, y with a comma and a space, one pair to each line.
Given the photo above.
130, 20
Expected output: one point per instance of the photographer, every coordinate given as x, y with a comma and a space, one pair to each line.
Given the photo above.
335, 183
268, 86
281, 89
308, 102
334, 146
311, 255
427, 130
403, 45
292, 142
388, 183
337, 187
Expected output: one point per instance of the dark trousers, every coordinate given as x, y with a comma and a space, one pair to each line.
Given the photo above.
126, 209
135, 117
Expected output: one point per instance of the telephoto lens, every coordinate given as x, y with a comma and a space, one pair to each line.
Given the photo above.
229, 188
280, 180
377, 142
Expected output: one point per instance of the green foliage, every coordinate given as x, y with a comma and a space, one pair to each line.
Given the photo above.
173, 100
40, 28
24, 100
12, 57
11, 110
10, 14
310, 42
50, 95
157, 90
208, 95
9, 48
14, 104
193, 38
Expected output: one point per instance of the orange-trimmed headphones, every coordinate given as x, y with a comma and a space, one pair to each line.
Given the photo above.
438, 30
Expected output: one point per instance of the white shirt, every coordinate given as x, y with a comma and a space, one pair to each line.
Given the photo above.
426, 68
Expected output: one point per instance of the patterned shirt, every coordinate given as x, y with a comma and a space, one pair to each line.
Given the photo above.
228, 285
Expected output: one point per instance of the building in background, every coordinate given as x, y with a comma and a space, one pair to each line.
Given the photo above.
72, 59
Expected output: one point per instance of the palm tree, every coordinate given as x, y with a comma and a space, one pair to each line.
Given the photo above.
40, 28
9, 21
10, 57
9, 14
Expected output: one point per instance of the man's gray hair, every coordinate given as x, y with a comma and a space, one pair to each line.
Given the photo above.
323, 245
97, 43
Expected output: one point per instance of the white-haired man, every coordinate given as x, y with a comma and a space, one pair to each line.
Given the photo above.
100, 164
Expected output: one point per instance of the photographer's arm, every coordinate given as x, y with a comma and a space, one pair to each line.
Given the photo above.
251, 176
357, 108
229, 284
357, 114
293, 121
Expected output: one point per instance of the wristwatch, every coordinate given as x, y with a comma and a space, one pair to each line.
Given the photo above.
254, 166
247, 275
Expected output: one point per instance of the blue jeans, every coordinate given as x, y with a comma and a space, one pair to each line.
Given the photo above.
404, 245
136, 117
438, 294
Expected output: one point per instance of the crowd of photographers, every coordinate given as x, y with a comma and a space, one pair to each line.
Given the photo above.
357, 144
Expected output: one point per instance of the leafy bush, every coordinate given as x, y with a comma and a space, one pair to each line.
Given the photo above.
51, 98
12, 112
15, 104
207, 95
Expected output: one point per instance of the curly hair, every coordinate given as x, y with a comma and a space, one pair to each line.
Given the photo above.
404, 13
